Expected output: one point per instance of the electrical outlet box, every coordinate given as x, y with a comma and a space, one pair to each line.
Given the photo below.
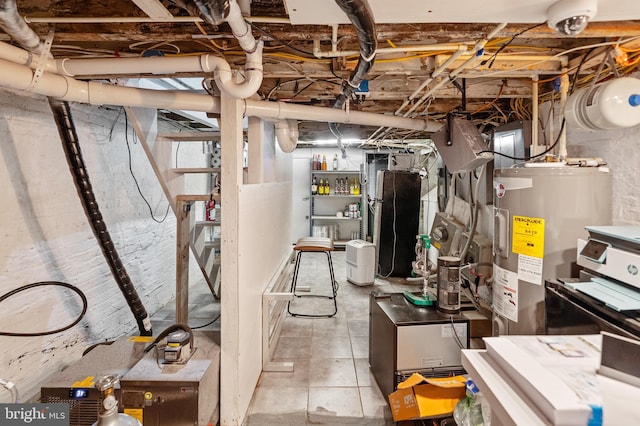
446, 233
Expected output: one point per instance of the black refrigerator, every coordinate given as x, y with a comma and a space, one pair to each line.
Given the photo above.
396, 222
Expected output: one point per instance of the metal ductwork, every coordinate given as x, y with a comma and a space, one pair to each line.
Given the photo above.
214, 12
12, 23
360, 15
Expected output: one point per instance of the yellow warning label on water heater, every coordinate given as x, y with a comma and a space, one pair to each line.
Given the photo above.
528, 236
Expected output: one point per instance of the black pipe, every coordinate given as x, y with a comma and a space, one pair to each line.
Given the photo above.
213, 11
360, 15
71, 146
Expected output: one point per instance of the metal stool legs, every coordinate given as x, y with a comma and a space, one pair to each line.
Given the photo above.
334, 287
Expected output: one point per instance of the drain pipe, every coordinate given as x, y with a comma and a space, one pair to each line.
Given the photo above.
360, 15
19, 77
287, 134
71, 145
218, 11
13, 24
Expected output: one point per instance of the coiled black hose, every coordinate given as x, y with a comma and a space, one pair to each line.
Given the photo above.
71, 145
41, 284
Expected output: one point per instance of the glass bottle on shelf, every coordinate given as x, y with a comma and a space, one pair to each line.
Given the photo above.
335, 162
321, 187
327, 187
324, 162
314, 186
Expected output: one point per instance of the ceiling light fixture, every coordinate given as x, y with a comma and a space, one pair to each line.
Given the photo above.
570, 17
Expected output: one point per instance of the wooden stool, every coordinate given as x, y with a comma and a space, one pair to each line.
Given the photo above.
314, 245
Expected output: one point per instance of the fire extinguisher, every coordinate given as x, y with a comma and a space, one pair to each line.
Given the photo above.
210, 211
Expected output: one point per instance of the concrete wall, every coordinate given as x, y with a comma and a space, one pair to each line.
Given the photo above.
45, 236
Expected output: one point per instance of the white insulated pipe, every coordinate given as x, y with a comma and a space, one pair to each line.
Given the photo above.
154, 65
534, 114
287, 134
240, 29
20, 77
282, 110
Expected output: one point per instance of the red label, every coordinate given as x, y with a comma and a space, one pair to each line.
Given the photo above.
500, 190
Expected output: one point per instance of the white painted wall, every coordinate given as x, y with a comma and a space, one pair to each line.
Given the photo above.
619, 148
45, 236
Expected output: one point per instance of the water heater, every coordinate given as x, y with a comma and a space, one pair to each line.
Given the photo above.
539, 213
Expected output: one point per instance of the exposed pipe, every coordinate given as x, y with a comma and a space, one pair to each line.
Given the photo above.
13, 24
362, 19
139, 19
154, 65
218, 11
287, 134
360, 15
318, 53
71, 145
214, 11
279, 110
564, 90
534, 115
477, 48
19, 77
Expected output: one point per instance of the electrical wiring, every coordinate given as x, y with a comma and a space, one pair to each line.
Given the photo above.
44, 284
284, 45
504, 84
207, 324
155, 46
545, 152
528, 65
126, 138
492, 59
455, 334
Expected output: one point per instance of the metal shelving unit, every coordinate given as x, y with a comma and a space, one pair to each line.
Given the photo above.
324, 208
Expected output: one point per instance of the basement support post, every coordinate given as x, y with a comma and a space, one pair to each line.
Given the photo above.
231, 411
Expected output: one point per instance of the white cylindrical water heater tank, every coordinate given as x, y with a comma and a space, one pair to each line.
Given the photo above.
609, 105
539, 214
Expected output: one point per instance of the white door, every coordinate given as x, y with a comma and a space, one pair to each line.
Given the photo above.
301, 202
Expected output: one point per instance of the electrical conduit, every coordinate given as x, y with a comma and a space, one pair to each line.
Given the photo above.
71, 145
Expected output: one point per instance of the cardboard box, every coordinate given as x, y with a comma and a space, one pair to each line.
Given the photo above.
421, 397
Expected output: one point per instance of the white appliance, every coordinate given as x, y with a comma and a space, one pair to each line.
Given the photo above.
539, 213
361, 262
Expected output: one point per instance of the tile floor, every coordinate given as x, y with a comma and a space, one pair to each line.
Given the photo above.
331, 383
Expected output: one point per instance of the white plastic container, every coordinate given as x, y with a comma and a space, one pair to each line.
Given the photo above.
609, 105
